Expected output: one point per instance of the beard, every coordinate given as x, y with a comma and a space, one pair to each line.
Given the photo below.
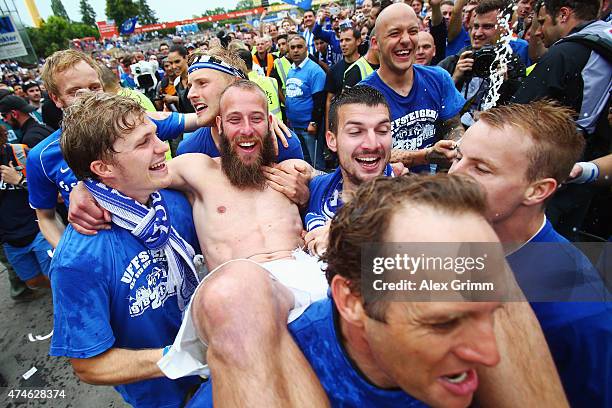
243, 175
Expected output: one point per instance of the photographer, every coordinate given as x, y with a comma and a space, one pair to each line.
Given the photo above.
472, 67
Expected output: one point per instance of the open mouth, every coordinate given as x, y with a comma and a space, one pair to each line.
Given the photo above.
461, 383
159, 166
247, 146
368, 163
403, 54
199, 107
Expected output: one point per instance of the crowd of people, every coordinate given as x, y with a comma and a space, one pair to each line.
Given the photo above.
201, 209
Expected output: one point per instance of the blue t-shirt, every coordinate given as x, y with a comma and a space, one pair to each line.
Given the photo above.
201, 141
579, 334
433, 97
302, 83
127, 81
326, 198
110, 291
48, 173
460, 41
316, 335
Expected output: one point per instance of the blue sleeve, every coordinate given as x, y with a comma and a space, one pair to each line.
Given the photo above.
81, 312
171, 127
189, 145
452, 101
318, 83
294, 151
318, 31
42, 191
313, 220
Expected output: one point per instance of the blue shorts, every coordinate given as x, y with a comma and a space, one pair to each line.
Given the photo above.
31, 260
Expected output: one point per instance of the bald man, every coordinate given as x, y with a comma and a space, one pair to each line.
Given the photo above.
424, 102
426, 49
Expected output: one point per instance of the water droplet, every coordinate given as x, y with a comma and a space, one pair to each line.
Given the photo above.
586, 114
574, 229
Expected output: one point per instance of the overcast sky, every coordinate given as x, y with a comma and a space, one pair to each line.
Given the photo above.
165, 10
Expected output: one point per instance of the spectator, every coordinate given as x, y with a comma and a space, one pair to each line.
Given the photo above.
323, 53
127, 79
577, 76
18, 113
426, 49
25, 247
264, 57
364, 66
178, 58
474, 86
305, 100
34, 95
307, 27
268, 84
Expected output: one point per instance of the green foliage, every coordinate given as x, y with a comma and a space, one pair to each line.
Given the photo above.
218, 10
56, 33
121, 10
58, 9
87, 12
146, 15
246, 4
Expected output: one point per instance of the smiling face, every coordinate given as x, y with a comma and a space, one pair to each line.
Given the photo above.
179, 63
396, 37
206, 86
74, 80
246, 144
362, 141
498, 160
485, 30
431, 349
139, 164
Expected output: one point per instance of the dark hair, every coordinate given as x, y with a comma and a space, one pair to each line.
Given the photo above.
356, 32
447, 3
583, 9
182, 51
366, 219
310, 11
30, 84
247, 57
127, 60
486, 6
358, 95
160, 45
281, 36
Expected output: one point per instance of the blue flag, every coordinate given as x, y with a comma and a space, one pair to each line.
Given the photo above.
128, 26
303, 4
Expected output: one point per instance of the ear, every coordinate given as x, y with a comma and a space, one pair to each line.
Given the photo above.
219, 125
564, 14
332, 141
101, 169
56, 101
539, 191
348, 304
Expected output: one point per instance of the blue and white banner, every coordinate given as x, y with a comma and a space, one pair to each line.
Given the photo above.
303, 4
11, 45
128, 26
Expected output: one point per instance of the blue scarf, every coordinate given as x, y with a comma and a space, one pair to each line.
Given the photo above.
151, 226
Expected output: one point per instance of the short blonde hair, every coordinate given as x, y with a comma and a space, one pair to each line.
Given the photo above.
59, 62
229, 57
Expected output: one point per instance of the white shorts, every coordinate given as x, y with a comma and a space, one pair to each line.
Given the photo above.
303, 275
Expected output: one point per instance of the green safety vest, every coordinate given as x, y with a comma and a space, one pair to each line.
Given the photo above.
270, 87
365, 69
282, 67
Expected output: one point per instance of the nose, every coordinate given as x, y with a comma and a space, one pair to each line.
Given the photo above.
457, 167
370, 141
480, 345
161, 146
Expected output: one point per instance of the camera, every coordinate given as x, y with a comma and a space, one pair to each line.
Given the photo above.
483, 61
334, 10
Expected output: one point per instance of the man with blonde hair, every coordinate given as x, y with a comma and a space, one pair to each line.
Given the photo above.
521, 154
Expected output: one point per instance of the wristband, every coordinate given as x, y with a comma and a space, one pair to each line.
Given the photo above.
170, 127
590, 173
166, 350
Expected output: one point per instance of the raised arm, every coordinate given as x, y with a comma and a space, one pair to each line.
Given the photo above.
454, 25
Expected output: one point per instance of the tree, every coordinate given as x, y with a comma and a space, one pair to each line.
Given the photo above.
146, 15
121, 10
87, 12
58, 9
56, 33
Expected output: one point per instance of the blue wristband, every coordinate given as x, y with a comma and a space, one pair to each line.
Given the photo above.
166, 350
